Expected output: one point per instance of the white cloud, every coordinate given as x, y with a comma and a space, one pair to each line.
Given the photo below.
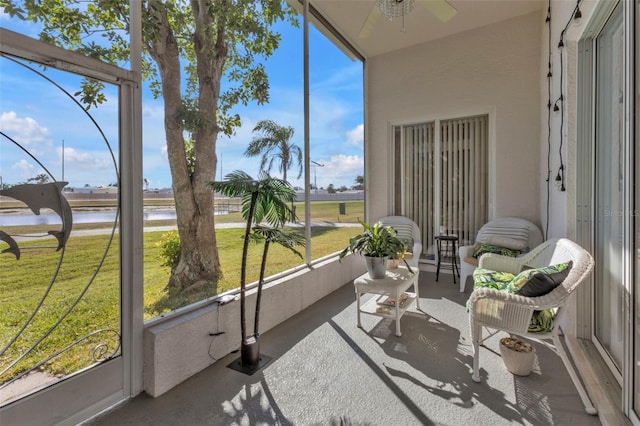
355, 136
24, 169
25, 130
98, 161
341, 165
339, 170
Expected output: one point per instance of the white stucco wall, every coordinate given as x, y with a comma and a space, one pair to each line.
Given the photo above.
495, 70
561, 204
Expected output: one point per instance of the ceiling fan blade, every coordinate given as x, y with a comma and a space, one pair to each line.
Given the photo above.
370, 22
441, 9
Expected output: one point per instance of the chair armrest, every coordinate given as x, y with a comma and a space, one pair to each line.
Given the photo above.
500, 310
465, 251
497, 262
556, 299
417, 251
509, 312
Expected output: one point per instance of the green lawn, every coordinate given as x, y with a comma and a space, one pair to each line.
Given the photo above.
24, 283
325, 240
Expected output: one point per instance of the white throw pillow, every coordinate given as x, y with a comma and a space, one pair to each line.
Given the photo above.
501, 241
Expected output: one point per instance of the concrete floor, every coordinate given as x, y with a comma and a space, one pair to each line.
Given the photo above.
326, 371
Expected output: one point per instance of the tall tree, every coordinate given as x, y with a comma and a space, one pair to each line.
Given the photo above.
275, 145
190, 46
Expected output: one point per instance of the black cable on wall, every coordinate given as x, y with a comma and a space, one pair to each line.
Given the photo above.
549, 78
558, 108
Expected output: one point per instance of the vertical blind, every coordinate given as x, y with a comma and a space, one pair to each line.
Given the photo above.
463, 183
449, 196
414, 178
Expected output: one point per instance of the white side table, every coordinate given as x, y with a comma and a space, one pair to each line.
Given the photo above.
391, 287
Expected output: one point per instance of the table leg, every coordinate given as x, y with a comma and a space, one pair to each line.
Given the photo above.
398, 293
417, 291
439, 247
358, 307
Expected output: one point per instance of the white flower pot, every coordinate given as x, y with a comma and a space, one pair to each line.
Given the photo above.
518, 356
377, 266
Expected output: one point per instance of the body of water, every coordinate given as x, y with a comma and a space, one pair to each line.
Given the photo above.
22, 219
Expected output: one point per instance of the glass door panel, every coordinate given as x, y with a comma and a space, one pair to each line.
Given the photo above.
414, 180
609, 194
60, 289
441, 177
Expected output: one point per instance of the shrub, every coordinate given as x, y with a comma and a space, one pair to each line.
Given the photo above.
170, 248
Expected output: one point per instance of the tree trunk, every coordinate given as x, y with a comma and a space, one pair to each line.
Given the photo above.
199, 259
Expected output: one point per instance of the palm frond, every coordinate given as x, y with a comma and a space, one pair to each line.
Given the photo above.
274, 196
236, 183
289, 240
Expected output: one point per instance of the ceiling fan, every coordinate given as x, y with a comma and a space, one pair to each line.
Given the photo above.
390, 9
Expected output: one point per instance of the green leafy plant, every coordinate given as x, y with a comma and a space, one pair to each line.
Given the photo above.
170, 248
376, 241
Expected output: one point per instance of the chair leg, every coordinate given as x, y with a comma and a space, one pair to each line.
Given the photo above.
476, 340
463, 281
588, 406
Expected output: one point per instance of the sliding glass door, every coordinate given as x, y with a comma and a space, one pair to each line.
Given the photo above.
440, 175
610, 190
608, 193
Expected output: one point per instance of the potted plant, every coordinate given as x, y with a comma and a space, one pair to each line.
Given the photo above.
517, 355
264, 200
377, 243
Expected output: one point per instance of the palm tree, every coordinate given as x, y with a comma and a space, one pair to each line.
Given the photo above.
265, 199
359, 182
275, 146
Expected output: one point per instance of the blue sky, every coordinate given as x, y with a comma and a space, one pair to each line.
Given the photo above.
40, 117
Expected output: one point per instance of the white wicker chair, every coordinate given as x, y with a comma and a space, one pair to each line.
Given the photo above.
513, 227
512, 313
406, 229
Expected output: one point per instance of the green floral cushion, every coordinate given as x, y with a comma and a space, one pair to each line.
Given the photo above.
541, 321
481, 248
540, 281
491, 279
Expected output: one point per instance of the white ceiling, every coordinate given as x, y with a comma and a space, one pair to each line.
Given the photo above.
349, 16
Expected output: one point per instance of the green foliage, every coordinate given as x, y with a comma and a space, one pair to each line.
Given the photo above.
91, 93
203, 57
359, 183
99, 29
274, 144
169, 248
39, 179
377, 240
190, 151
274, 196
